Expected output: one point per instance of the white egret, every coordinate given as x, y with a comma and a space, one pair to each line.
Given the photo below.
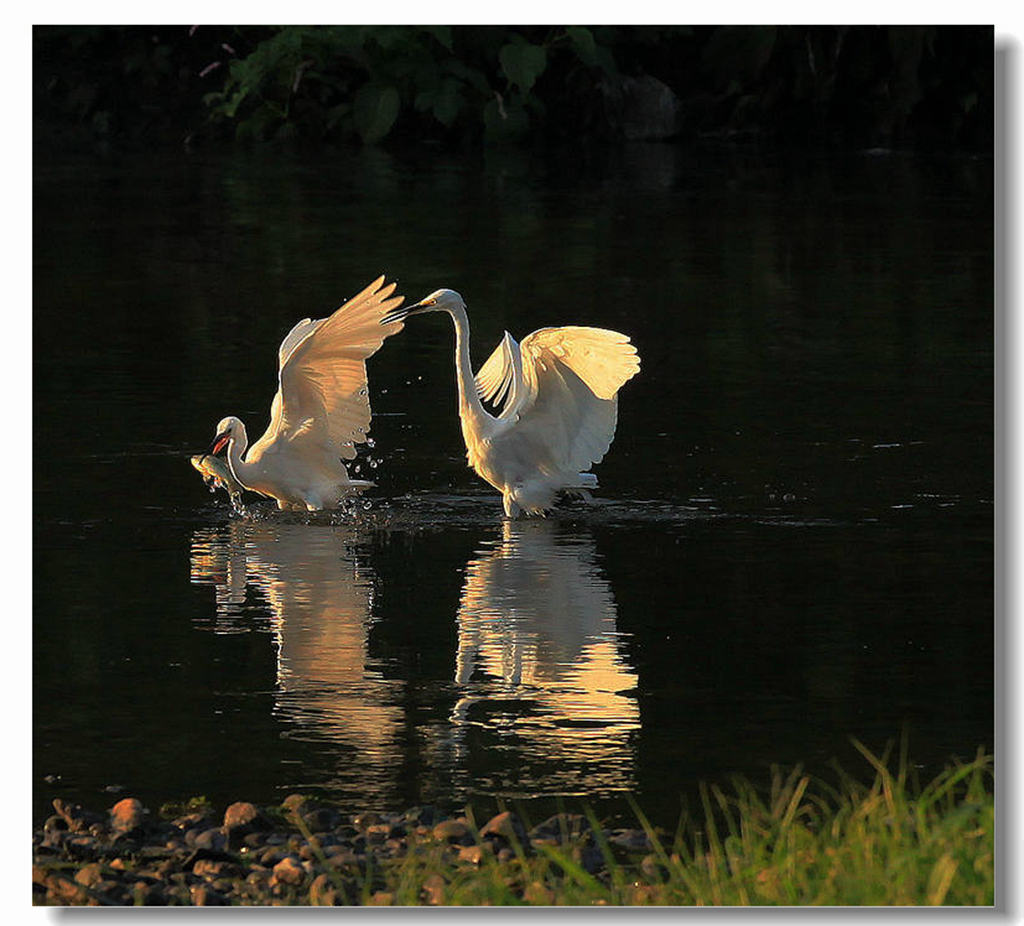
321, 409
559, 406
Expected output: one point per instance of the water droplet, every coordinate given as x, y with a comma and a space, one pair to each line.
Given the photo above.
373, 464
369, 442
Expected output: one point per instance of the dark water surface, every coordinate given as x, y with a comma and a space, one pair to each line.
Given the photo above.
792, 543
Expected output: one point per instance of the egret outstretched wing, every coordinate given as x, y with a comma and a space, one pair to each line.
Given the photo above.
322, 396
570, 379
603, 359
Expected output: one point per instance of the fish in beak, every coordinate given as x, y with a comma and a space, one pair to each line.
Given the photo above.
216, 474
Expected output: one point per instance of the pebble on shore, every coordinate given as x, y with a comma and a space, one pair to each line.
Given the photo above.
300, 853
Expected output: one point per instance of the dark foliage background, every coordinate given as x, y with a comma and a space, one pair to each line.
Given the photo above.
927, 86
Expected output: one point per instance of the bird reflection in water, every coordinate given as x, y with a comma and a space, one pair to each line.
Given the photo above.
541, 668
320, 600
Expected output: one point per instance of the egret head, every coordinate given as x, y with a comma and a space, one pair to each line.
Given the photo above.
441, 300
226, 429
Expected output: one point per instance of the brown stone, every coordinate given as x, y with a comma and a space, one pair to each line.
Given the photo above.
89, 875
243, 814
259, 879
127, 814
288, 871
296, 803
508, 826
382, 829
192, 820
472, 854
215, 868
81, 848
451, 830
321, 819
64, 891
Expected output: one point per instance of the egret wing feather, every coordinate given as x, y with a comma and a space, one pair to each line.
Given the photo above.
495, 381
322, 398
571, 378
300, 331
603, 359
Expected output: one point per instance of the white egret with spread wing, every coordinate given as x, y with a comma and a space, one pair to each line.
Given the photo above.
557, 393
321, 409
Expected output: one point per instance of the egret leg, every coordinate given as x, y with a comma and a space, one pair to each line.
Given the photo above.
512, 508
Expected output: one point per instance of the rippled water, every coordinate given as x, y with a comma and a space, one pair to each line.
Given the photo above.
792, 543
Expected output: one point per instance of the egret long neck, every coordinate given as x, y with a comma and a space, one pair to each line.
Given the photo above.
236, 450
470, 405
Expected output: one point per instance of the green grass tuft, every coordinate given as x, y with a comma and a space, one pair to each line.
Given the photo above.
800, 842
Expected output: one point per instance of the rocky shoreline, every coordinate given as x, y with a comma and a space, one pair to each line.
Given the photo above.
304, 852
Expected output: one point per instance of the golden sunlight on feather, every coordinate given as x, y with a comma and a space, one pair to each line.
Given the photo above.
558, 399
321, 409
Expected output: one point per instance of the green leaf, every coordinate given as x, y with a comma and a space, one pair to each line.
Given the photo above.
424, 100
374, 111
523, 63
470, 75
583, 43
448, 102
442, 33
388, 37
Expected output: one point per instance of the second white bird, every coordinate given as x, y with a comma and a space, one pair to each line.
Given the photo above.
557, 393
